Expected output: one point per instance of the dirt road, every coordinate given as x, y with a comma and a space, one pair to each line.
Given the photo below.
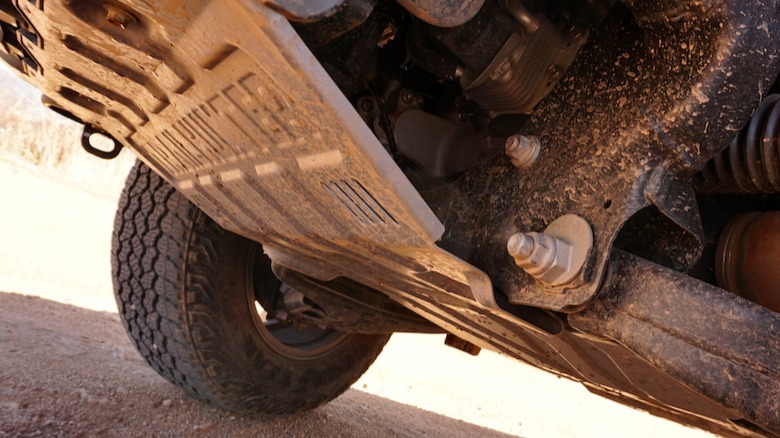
67, 368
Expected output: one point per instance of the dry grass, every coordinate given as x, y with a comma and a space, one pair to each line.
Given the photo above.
35, 137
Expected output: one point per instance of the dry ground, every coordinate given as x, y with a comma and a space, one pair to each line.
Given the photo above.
67, 368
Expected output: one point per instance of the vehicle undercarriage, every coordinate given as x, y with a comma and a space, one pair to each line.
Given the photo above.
589, 187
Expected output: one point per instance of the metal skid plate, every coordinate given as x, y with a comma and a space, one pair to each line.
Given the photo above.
226, 102
265, 142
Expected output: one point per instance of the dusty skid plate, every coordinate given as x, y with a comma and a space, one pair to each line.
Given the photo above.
226, 102
266, 143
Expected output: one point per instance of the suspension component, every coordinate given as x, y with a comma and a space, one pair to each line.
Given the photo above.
746, 258
751, 163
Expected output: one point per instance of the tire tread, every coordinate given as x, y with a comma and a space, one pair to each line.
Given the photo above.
166, 257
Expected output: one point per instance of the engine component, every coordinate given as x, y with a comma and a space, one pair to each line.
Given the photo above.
556, 256
522, 150
526, 68
751, 163
507, 60
495, 68
453, 52
443, 13
352, 14
440, 147
746, 258
346, 43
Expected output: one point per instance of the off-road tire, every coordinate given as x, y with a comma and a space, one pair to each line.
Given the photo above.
180, 284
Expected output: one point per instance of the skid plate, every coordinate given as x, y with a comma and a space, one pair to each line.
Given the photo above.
226, 102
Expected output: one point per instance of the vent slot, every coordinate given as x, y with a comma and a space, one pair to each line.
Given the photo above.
361, 204
82, 101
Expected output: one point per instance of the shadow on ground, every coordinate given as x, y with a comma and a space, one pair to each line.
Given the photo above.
65, 370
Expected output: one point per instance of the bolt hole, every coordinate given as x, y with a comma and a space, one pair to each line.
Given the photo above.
607, 204
117, 23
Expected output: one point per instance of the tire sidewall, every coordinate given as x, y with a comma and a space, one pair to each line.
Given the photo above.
261, 378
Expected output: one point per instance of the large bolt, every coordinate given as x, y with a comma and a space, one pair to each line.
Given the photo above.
544, 257
522, 150
554, 257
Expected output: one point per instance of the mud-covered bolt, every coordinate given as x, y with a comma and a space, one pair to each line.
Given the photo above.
554, 257
522, 150
118, 16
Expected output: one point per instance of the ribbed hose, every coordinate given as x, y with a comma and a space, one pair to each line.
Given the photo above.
751, 163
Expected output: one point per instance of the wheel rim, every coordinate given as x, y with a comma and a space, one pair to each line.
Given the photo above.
286, 339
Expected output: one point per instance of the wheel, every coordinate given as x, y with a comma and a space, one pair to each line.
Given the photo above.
197, 301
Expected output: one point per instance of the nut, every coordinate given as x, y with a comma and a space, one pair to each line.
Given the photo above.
523, 150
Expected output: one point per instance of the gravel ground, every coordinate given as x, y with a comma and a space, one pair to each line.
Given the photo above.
67, 368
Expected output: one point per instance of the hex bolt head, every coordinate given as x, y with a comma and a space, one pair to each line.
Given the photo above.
523, 150
554, 257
